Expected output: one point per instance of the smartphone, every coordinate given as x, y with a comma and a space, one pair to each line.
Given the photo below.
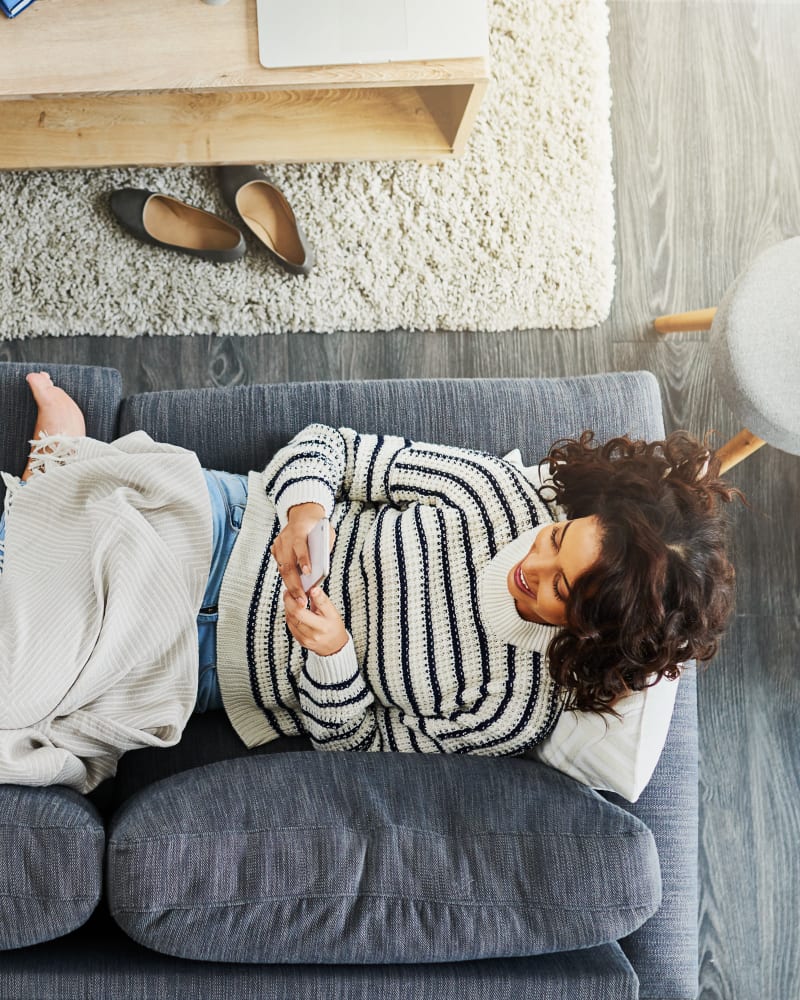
319, 541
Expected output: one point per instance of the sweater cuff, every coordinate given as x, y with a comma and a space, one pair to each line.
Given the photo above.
337, 671
310, 490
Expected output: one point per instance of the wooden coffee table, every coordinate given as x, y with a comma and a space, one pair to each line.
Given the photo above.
163, 82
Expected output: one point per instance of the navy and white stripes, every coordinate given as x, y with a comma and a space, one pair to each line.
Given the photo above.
426, 670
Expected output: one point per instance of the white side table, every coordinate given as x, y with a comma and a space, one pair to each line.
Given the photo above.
755, 351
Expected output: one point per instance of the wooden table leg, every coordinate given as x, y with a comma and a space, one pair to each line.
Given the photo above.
700, 319
737, 449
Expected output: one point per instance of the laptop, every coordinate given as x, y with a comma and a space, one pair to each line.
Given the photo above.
336, 32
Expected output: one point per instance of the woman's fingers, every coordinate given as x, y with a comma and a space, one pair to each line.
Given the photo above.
297, 615
313, 618
293, 583
319, 628
288, 566
302, 558
322, 604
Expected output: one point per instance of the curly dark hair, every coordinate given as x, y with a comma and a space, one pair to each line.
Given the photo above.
663, 587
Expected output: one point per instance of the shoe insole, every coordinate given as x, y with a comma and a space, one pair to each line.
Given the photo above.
270, 218
181, 225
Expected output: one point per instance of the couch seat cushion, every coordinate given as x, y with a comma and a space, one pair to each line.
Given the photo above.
375, 858
51, 863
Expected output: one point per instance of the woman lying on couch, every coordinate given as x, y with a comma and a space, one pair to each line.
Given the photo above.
468, 609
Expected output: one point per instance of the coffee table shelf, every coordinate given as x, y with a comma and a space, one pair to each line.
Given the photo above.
88, 83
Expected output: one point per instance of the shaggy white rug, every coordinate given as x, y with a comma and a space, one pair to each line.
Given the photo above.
516, 234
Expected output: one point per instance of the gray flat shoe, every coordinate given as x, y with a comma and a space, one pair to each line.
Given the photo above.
163, 221
268, 215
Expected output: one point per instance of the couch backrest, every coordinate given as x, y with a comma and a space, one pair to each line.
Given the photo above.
239, 428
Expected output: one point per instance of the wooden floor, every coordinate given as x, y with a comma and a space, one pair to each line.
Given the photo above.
707, 167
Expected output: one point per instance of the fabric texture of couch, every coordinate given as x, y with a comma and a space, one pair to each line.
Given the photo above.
207, 870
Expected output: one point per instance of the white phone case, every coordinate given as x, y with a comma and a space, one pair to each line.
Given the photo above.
319, 551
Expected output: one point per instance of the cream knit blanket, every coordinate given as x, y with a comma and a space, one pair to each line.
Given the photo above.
107, 553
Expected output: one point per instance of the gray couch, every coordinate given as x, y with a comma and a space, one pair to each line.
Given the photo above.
209, 871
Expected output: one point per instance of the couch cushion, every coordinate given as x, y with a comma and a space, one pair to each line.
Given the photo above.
51, 863
375, 858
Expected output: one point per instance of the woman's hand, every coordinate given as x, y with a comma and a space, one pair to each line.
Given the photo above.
290, 548
319, 628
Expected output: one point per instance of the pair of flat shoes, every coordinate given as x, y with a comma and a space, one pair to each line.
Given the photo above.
164, 221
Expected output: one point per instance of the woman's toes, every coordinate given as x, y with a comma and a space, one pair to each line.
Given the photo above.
58, 413
40, 383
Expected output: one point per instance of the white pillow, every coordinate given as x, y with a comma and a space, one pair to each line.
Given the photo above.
607, 753
615, 755
535, 475
530, 472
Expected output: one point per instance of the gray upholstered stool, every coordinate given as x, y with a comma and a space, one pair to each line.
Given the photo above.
755, 351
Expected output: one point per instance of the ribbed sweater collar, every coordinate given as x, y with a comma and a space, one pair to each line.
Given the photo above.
497, 607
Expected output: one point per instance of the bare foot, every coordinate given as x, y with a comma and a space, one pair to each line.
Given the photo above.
57, 413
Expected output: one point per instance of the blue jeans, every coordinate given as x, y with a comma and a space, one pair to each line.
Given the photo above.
228, 495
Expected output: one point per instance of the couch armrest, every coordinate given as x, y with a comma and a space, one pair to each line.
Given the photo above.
664, 950
98, 392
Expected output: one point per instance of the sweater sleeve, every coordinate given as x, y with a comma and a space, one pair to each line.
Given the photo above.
308, 469
341, 713
338, 707
323, 465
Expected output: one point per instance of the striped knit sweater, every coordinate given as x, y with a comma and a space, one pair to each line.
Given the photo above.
438, 658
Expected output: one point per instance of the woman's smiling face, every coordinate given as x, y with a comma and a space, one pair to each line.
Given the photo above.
541, 582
